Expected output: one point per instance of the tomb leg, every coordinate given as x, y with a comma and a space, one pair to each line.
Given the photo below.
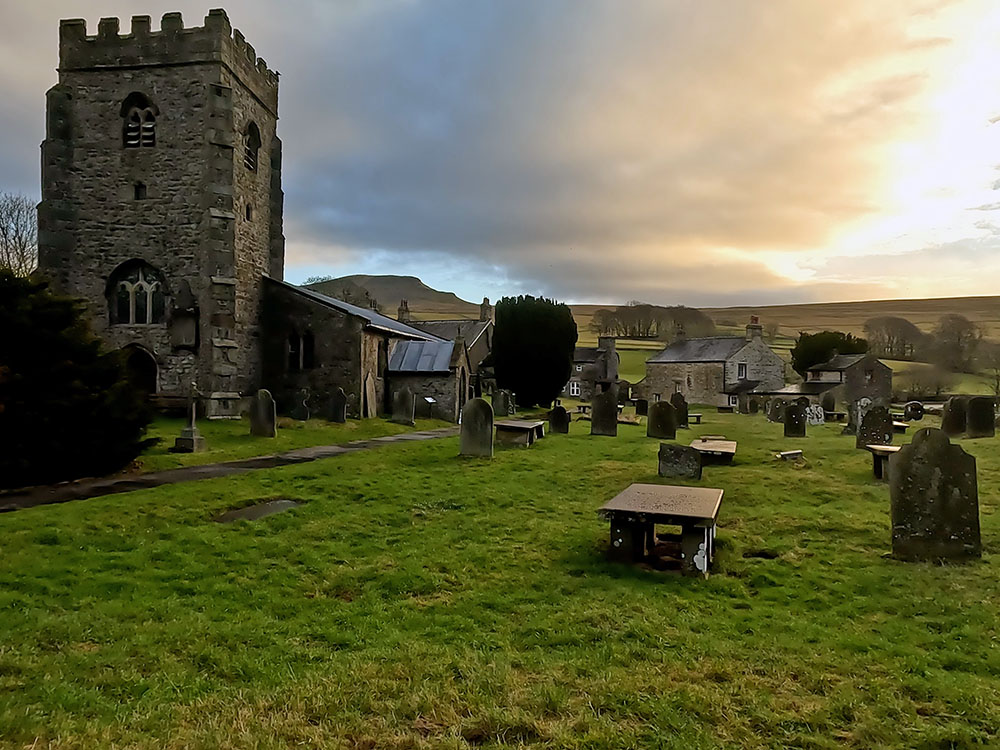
628, 539
877, 465
696, 548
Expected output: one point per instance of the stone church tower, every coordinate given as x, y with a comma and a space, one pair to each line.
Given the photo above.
161, 198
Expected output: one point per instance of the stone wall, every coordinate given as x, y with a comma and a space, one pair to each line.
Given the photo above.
868, 378
763, 366
700, 382
443, 388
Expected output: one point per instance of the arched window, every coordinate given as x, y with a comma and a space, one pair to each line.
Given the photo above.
308, 351
251, 144
294, 352
136, 295
139, 126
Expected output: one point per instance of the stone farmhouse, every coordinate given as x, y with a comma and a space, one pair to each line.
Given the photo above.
844, 379
595, 369
162, 209
713, 370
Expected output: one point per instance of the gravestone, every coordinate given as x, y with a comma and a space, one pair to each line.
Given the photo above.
190, 439
338, 406
953, 419
795, 420
828, 402
875, 428
802, 401
662, 421
604, 414
934, 500
776, 410
913, 411
856, 413
477, 429
641, 407
815, 416
680, 405
403, 406
743, 403
371, 403
679, 461
263, 415
559, 420
754, 405
981, 417
503, 403
300, 409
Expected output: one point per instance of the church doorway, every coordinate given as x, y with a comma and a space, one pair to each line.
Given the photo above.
142, 369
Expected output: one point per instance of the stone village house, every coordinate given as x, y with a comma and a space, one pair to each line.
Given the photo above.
595, 369
842, 380
162, 209
713, 370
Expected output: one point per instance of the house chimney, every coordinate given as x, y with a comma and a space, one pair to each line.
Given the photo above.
403, 313
679, 334
754, 329
486, 311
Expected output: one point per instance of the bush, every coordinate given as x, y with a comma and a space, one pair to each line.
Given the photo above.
67, 409
815, 348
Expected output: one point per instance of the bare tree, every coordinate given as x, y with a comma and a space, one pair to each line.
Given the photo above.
771, 330
18, 234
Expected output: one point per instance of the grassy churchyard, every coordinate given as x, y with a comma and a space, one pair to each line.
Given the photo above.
420, 600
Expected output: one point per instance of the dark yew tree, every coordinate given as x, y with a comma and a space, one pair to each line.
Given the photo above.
67, 409
956, 342
816, 348
533, 348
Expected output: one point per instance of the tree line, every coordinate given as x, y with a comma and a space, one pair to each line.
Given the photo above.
639, 320
956, 344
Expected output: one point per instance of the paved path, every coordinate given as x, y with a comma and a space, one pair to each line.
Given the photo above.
81, 489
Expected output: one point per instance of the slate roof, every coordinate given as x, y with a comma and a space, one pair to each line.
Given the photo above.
372, 319
710, 349
421, 356
585, 354
742, 386
449, 330
814, 388
838, 363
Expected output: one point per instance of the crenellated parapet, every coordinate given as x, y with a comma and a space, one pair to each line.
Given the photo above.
173, 44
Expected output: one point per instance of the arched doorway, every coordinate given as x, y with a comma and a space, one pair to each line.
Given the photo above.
142, 369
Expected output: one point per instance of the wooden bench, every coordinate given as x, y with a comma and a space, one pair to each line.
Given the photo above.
880, 459
583, 409
835, 416
635, 512
694, 417
519, 432
714, 450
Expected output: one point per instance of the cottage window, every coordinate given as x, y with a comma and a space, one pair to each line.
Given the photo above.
656, 397
301, 351
136, 295
248, 212
734, 400
251, 147
139, 121
741, 371
574, 388
139, 191
579, 368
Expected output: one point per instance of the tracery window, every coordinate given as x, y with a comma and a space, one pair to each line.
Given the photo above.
136, 295
139, 126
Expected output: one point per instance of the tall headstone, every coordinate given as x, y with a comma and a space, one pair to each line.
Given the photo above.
191, 440
403, 406
300, 408
680, 405
477, 429
604, 414
981, 417
679, 461
856, 413
559, 420
815, 416
662, 421
934, 500
954, 416
875, 428
641, 407
743, 403
263, 415
776, 410
754, 405
913, 411
371, 398
338, 406
503, 402
795, 420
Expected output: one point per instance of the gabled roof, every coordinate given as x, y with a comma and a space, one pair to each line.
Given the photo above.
372, 319
742, 386
812, 388
837, 363
586, 354
470, 330
421, 356
710, 349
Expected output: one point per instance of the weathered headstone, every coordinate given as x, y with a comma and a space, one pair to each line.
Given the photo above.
263, 415
477, 429
955, 416
679, 461
559, 420
875, 428
754, 405
795, 420
338, 406
403, 406
300, 408
776, 410
856, 413
371, 403
191, 440
604, 414
503, 403
641, 407
680, 405
934, 500
815, 416
662, 421
913, 411
828, 402
743, 403
981, 417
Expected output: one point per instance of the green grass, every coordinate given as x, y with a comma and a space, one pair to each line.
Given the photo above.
230, 439
418, 600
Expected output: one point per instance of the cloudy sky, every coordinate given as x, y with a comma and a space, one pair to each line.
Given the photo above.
674, 151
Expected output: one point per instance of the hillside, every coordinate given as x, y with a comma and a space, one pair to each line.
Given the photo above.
424, 302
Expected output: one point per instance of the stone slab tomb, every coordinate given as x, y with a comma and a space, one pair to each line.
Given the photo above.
954, 416
795, 420
403, 407
662, 421
477, 429
875, 428
934, 500
680, 405
559, 420
604, 414
981, 417
679, 461
338, 406
263, 415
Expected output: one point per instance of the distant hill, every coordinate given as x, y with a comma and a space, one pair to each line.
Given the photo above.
424, 303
